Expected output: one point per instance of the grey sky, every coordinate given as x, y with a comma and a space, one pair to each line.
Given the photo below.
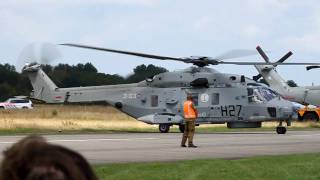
173, 28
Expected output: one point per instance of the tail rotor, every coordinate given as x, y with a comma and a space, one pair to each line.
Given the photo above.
266, 58
43, 53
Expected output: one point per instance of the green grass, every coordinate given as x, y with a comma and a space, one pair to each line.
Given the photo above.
268, 167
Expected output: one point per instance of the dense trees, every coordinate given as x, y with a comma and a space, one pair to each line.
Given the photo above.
13, 83
142, 72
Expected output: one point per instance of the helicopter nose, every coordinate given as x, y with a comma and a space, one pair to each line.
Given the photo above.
286, 112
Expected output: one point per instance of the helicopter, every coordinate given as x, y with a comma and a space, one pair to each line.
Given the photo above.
304, 95
307, 95
220, 98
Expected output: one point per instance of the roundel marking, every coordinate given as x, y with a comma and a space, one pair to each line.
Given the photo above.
204, 97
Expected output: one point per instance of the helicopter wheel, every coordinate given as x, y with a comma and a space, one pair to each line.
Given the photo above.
281, 130
164, 128
181, 128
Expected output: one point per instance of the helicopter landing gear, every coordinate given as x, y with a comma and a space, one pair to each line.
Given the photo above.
181, 128
164, 128
281, 129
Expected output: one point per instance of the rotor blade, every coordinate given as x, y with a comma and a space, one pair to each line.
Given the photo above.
259, 63
312, 67
285, 57
48, 53
125, 52
262, 53
236, 53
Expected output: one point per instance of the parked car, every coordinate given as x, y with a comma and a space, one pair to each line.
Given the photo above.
16, 103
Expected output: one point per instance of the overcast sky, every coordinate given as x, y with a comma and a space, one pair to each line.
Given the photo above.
178, 28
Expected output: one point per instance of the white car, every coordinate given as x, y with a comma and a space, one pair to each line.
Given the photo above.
16, 103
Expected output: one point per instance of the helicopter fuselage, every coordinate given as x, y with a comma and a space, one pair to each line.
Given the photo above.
219, 98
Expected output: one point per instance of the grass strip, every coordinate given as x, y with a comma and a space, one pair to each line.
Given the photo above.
304, 166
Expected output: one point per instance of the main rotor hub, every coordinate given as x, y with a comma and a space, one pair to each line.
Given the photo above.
201, 61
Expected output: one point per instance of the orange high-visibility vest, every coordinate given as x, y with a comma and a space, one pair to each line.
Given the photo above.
189, 111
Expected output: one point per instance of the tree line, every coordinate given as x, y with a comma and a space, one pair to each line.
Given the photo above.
13, 83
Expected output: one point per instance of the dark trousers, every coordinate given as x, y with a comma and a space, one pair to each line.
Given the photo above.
188, 134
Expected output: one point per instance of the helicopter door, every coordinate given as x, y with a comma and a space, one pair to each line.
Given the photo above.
215, 110
207, 103
201, 100
171, 99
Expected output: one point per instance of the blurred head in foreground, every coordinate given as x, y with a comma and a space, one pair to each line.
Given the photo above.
32, 158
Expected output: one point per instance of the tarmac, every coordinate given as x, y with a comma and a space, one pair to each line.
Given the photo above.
150, 147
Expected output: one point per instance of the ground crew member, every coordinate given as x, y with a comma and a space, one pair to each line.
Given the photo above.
190, 116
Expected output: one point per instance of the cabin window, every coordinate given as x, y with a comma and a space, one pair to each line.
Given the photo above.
195, 99
154, 100
19, 101
215, 98
250, 95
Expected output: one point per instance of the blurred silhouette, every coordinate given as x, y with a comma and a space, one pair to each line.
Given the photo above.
32, 158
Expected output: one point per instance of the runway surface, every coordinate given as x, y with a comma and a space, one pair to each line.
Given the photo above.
146, 147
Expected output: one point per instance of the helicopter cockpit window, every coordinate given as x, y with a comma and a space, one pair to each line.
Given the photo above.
154, 101
260, 94
268, 94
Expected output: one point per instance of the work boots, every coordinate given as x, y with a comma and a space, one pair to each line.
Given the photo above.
192, 146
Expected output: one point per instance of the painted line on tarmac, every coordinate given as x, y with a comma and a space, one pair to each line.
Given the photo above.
304, 135
7, 142
104, 139
86, 140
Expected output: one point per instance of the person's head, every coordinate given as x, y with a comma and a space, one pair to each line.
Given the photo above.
32, 158
189, 97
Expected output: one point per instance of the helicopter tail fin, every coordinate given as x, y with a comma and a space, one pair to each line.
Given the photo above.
271, 76
43, 86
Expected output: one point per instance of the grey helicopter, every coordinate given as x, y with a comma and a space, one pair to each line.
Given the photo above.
307, 95
304, 95
220, 98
